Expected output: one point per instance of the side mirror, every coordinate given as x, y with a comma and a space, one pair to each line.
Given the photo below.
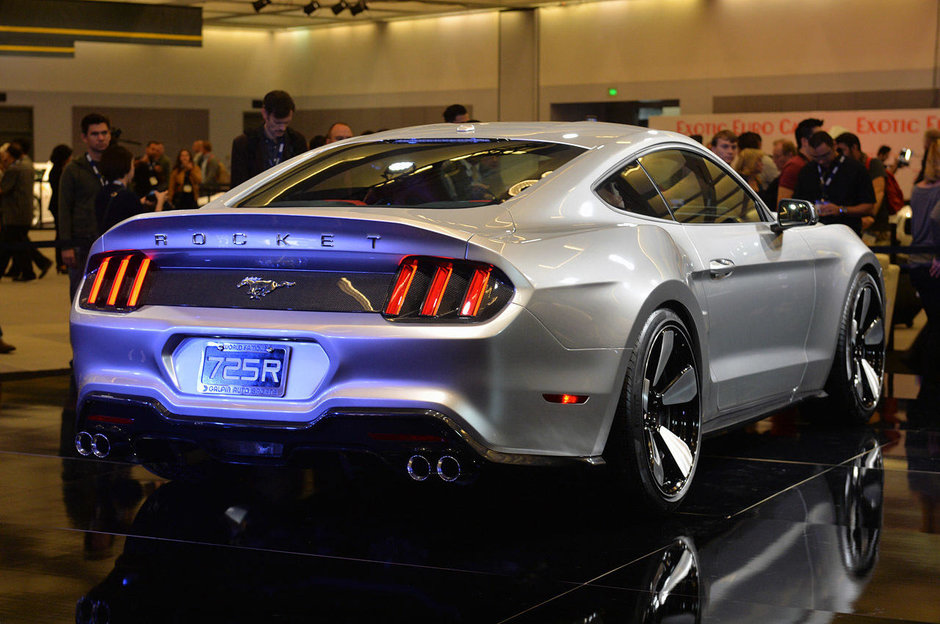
792, 212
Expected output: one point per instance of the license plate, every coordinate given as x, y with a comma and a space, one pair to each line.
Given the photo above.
244, 369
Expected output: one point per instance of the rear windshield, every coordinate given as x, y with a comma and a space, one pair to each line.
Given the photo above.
444, 174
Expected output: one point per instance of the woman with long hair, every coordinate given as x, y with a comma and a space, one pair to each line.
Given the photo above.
749, 164
185, 179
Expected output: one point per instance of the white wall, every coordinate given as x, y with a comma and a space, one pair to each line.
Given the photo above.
414, 63
696, 49
692, 50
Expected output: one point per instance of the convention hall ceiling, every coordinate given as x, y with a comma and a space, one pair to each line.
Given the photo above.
280, 14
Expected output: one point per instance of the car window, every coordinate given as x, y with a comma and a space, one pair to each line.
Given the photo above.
698, 190
630, 189
442, 174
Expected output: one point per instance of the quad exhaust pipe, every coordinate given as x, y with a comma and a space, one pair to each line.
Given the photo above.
96, 444
420, 467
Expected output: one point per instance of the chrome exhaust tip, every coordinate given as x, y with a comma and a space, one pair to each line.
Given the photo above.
419, 468
84, 443
100, 446
448, 468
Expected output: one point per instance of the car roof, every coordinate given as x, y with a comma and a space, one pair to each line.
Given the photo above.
586, 134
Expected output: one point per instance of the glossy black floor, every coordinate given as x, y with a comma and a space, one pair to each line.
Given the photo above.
789, 521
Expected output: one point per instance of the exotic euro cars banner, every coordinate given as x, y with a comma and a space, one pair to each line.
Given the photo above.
899, 129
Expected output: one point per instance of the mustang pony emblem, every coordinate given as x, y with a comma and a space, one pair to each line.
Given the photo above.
259, 287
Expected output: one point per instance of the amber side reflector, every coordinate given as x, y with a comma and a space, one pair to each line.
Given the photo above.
566, 399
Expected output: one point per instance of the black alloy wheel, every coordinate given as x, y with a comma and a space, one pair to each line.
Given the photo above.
855, 382
656, 436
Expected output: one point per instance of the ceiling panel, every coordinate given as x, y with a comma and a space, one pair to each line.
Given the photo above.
280, 14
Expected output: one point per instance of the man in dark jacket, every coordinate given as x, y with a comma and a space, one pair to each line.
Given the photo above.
80, 183
262, 148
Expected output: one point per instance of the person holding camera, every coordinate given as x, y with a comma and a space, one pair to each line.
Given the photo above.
115, 202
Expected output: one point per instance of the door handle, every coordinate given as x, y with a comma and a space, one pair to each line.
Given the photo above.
720, 268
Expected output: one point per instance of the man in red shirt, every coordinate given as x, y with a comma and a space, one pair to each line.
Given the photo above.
790, 171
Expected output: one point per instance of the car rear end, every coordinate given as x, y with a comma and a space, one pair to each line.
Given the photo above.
273, 330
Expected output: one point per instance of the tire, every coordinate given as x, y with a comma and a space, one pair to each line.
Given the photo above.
672, 585
655, 439
857, 375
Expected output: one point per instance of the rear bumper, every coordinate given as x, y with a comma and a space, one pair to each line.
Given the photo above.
486, 380
144, 431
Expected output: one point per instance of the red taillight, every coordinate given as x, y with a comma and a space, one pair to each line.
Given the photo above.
118, 280
99, 278
474, 296
405, 275
138, 283
432, 300
427, 288
123, 276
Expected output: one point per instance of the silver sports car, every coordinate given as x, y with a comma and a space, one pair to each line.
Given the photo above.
452, 295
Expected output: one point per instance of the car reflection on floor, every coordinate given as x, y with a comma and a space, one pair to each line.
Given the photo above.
795, 544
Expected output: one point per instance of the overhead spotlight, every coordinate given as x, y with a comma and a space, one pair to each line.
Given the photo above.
260, 4
339, 6
311, 7
358, 8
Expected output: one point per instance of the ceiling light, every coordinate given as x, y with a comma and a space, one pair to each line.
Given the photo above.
311, 7
260, 4
358, 8
339, 6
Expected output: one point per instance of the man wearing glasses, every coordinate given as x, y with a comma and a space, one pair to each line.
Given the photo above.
839, 185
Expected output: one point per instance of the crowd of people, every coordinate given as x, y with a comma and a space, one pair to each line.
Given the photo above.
847, 186
105, 185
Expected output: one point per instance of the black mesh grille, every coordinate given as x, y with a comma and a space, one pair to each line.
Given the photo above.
270, 290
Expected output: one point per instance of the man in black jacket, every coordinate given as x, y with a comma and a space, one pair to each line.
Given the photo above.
262, 148
81, 180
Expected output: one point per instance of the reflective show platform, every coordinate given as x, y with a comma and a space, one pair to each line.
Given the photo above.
789, 521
